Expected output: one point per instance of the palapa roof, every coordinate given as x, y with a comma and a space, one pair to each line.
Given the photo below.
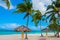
22, 28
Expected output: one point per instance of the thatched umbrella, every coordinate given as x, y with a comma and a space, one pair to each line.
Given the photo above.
46, 30
22, 29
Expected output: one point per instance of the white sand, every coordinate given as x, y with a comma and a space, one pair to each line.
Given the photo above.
30, 37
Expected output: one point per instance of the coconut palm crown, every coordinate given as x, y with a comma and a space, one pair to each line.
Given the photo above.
53, 10
36, 17
26, 7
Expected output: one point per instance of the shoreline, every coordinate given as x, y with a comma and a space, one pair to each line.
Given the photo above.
30, 34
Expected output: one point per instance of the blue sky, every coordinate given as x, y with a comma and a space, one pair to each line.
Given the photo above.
8, 20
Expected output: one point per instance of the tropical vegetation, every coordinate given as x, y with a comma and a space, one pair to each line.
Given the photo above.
52, 10
7, 3
25, 7
36, 18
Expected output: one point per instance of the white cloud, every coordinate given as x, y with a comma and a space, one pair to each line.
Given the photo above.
36, 28
42, 8
3, 4
9, 26
41, 5
12, 26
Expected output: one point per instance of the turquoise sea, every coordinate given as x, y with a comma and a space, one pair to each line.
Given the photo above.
9, 33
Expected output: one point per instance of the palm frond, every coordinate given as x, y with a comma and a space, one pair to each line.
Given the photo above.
31, 11
49, 7
22, 6
57, 3
29, 5
27, 14
53, 2
37, 17
19, 11
7, 3
48, 16
34, 20
52, 18
49, 12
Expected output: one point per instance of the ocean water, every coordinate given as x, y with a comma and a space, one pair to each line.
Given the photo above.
9, 33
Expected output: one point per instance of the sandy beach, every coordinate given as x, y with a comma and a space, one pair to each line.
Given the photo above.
30, 37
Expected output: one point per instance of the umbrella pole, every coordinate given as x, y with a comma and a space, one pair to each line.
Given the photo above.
22, 35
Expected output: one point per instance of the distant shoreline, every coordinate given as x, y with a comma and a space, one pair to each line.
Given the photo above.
18, 33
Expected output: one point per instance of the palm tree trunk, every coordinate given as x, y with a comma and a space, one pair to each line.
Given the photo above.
58, 23
27, 26
58, 34
41, 30
54, 33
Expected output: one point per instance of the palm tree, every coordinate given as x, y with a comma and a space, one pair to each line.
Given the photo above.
36, 18
54, 27
57, 4
25, 7
52, 10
